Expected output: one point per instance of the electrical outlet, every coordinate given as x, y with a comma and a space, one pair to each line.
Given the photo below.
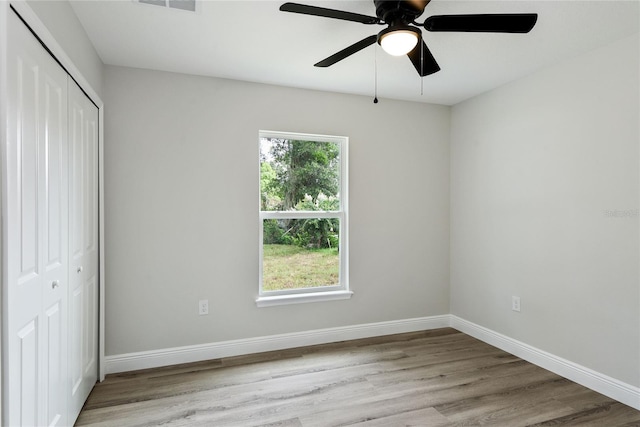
203, 307
515, 304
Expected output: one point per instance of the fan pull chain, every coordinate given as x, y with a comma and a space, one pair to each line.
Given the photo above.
375, 74
421, 68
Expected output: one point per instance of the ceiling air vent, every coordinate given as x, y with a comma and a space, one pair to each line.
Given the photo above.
189, 5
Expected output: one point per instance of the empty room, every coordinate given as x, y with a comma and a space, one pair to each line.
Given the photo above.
320, 213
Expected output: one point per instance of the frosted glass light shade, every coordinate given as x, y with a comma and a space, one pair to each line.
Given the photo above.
399, 42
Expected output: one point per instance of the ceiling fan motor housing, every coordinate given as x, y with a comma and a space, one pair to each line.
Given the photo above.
397, 12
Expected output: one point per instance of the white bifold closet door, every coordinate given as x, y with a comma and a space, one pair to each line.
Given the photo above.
51, 299
83, 247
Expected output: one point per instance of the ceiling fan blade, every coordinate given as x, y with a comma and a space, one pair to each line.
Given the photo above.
328, 13
356, 47
423, 60
489, 23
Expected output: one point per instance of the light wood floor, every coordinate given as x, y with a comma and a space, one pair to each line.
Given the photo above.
432, 378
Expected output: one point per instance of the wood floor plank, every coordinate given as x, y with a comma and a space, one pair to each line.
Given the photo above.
243, 402
293, 422
581, 398
610, 414
438, 378
367, 409
150, 388
428, 417
513, 412
529, 398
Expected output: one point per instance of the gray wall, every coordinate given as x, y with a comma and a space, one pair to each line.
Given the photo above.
544, 205
64, 26
181, 202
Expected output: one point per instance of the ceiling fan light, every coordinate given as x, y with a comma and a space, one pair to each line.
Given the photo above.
399, 42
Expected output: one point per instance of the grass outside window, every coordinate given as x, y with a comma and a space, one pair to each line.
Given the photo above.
292, 267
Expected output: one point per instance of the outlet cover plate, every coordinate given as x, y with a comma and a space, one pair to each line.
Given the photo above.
203, 307
515, 303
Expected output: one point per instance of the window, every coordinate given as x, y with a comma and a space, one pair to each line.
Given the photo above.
303, 218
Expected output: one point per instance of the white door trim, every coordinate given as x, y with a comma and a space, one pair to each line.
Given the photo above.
3, 135
38, 27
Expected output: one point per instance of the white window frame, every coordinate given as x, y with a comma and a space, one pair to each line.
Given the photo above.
321, 293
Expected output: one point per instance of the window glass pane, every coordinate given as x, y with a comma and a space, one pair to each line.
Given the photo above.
299, 175
300, 253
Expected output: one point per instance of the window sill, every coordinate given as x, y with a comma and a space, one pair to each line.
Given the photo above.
268, 301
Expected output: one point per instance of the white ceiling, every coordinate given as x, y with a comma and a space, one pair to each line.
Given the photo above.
254, 41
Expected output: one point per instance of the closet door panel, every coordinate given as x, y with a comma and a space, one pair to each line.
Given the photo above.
54, 243
55, 330
25, 160
37, 200
83, 235
25, 412
90, 350
25, 289
75, 343
55, 154
22, 235
76, 296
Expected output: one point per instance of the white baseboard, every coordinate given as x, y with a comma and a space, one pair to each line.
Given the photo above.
196, 353
615, 389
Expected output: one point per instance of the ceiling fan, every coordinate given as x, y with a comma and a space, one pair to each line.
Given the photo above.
402, 35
